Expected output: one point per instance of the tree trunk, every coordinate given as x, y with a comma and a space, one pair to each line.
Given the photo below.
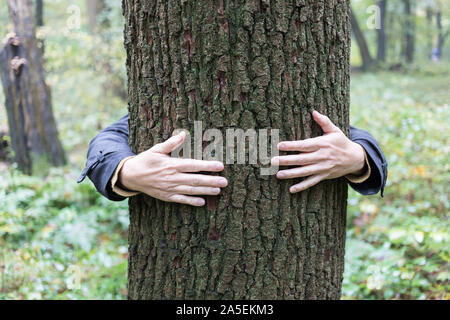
32, 127
442, 35
245, 64
94, 8
381, 32
4, 152
361, 41
409, 31
40, 22
39, 13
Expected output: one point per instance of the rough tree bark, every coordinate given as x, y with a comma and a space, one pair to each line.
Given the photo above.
32, 127
238, 64
366, 58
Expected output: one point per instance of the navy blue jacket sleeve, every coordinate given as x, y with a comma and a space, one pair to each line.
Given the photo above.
378, 164
105, 152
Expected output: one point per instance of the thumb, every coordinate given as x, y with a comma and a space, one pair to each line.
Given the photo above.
325, 123
170, 145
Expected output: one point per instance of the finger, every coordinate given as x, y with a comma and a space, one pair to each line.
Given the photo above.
191, 201
307, 145
324, 122
200, 180
191, 165
297, 159
197, 191
301, 172
170, 145
307, 183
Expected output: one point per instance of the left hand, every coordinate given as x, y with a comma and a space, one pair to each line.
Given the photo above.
330, 156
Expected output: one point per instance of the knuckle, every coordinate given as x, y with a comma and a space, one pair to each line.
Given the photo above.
156, 146
296, 160
171, 166
188, 162
166, 177
196, 182
328, 166
171, 198
326, 153
291, 145
291, 174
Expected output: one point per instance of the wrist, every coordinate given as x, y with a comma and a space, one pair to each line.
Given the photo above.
125, 176
359, 160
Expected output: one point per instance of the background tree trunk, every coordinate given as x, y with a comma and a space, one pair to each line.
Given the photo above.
442, 35
39, 13
94, 8
409, 32
238, 64
381, 32
32, 127
361, 41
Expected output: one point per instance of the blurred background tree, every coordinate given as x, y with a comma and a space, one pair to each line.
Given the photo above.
62, 240
32, 127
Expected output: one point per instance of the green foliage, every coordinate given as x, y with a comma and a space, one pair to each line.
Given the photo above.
60, 240
397, 246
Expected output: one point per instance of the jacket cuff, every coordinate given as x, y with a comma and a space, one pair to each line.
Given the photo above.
377, 180
114, 182
100, 170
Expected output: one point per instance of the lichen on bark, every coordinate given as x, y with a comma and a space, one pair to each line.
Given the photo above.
238, 64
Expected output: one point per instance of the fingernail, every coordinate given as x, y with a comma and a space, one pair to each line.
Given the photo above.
275, 161
293, 190
216, 190
219, 166
281, 146
201, 202
281, 174
223, 182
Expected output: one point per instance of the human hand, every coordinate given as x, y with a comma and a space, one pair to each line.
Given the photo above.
330, 156
156, 174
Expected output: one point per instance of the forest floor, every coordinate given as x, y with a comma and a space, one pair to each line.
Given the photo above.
61, 240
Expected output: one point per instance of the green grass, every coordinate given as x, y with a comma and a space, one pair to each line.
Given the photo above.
59, 239
397, 246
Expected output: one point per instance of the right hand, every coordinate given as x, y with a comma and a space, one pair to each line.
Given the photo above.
160, 176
